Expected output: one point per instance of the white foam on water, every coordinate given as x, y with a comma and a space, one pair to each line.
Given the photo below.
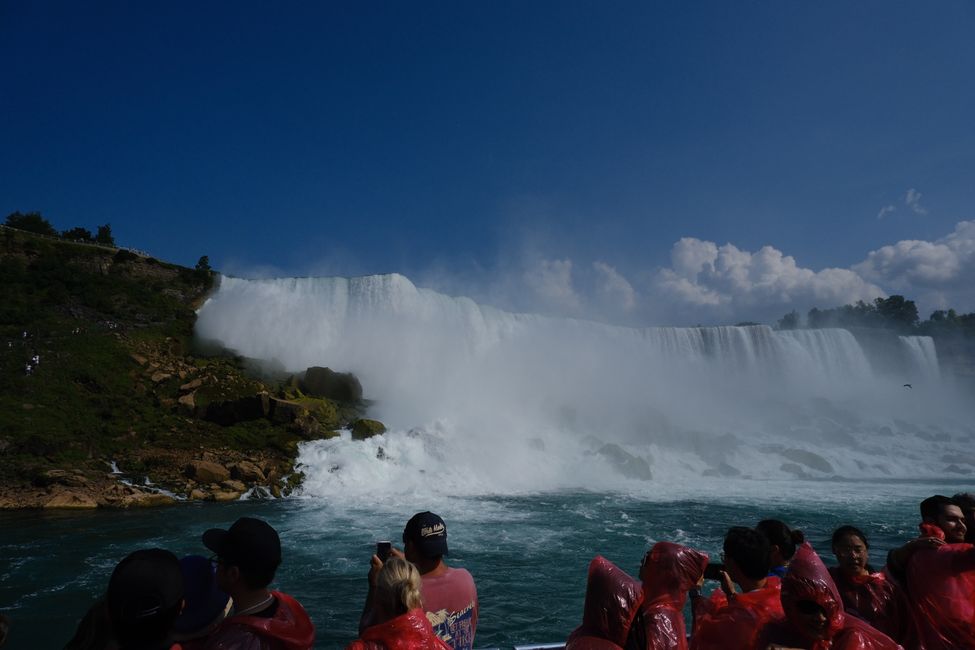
480, 401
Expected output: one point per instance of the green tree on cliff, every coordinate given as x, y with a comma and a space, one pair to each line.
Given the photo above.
31, 222
77, 234
104, 235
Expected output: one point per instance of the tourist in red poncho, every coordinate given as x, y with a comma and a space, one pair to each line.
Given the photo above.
815, 619
401, 622
740, 620
940, 578
866, 593
613, 600
668, 572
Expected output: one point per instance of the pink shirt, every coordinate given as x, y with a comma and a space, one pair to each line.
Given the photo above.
450, 602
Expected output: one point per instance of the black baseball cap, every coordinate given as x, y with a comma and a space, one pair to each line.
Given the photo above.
250, 544
144, 586
428, 533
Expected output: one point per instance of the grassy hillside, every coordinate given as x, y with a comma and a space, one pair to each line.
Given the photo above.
98, 364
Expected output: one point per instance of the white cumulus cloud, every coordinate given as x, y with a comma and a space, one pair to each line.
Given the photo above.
938, 273
726, 282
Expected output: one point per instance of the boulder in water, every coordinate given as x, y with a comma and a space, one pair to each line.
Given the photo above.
325, 382
628, 465
205, 471
809, 459
364, 428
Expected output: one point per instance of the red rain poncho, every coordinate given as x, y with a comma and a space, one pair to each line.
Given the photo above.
877, 600
669, 571
742, 623
808, 579
941, 589
613, 600
409, 631
289, 629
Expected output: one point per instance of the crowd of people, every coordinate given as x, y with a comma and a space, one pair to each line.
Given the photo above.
156, 601
776, 593
773, 592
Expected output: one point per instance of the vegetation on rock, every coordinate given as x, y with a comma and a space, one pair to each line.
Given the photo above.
98, 365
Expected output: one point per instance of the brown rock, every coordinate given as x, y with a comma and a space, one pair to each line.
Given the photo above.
226, 496
247, 471
187, 403
71, 500
139, 359
159, 377
191, 385
199, 494
151, 500
205, 471
61, 477
236, 486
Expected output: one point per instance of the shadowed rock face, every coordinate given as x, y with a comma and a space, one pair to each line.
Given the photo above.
325, 382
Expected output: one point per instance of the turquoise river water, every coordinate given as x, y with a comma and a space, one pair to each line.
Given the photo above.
528, 553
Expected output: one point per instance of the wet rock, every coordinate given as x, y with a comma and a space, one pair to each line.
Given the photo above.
71, 500
159, 377
199, 495
234, 486
809, 459
325, 382
245, 409
724, 469
248, 472
795, 470
285, 411
205, 471
364, 428
225, 495
626, 463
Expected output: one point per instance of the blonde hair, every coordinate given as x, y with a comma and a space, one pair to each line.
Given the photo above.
398, 587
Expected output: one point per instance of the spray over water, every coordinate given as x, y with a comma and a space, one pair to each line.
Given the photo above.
482, 401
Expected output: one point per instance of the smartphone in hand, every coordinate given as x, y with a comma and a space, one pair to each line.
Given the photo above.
713, 571
383, 549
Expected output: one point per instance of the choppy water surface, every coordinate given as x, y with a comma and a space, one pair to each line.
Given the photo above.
528, 553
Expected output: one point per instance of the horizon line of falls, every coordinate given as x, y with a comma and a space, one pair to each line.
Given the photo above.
482, 401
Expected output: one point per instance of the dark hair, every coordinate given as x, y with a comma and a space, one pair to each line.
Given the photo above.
964, 499
843, 531
778, 534
933, 506
750, 550
94, 631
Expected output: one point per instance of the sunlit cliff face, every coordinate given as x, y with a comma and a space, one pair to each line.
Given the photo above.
493, 401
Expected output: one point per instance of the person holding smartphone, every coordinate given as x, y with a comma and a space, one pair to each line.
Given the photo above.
448, 593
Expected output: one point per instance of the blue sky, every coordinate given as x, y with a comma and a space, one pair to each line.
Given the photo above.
564, 157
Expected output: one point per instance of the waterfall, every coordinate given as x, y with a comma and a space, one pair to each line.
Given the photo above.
499, 401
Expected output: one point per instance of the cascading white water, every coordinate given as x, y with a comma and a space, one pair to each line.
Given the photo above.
481, 400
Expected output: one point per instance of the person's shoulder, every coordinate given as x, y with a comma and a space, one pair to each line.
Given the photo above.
459, 573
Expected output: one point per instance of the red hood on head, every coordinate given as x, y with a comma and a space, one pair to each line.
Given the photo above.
808, 579
670, 570
613, 599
